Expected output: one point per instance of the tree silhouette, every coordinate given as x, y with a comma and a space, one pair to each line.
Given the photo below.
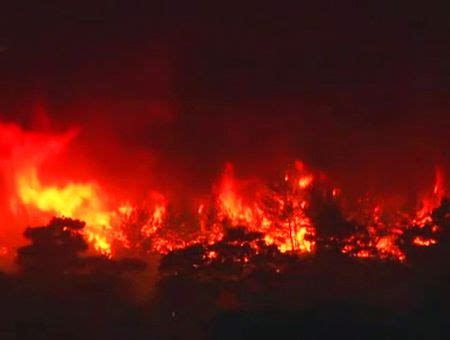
332, 228
54, 248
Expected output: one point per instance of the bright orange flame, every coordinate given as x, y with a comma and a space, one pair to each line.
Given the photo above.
230, 204
156, 219
424, 242
387, 246
293, 234
301, 242
285, 224
212, 255
74, 200
305, 181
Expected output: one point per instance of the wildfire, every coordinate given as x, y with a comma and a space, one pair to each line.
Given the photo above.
230, 205
381, 238
279, 211
431, 200
74, 200
281, 216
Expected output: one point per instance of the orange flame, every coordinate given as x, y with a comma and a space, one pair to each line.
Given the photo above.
293, 234
431, 200
279, 213
74, 200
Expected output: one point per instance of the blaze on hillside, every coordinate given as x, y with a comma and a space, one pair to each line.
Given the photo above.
241, 287
241, 252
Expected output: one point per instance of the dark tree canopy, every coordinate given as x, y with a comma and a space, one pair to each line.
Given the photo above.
58, 249
54, 248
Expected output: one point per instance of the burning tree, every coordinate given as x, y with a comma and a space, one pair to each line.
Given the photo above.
284, 206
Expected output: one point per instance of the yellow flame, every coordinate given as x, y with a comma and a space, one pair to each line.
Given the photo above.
305, 181
74, 200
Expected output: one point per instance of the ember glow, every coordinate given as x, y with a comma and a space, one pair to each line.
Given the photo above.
280, 210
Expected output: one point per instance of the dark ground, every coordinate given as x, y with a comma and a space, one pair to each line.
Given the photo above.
325, 297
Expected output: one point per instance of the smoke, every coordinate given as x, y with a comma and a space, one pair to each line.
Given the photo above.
166, 99
180, 145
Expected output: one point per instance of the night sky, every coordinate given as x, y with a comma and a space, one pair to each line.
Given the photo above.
177, 89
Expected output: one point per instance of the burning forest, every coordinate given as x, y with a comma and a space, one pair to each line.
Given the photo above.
224, 171
247, 239
247, 245
300, 212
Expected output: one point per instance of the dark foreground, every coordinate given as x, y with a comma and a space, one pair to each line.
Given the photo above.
59, 294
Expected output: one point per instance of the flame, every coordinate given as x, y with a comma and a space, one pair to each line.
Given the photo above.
212, 255
74, 200
305, 181
280, 212
388, 247
21, 155
423, 242
230, 204
381, 238
294, 233
431, 200
83, 201
156, 218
